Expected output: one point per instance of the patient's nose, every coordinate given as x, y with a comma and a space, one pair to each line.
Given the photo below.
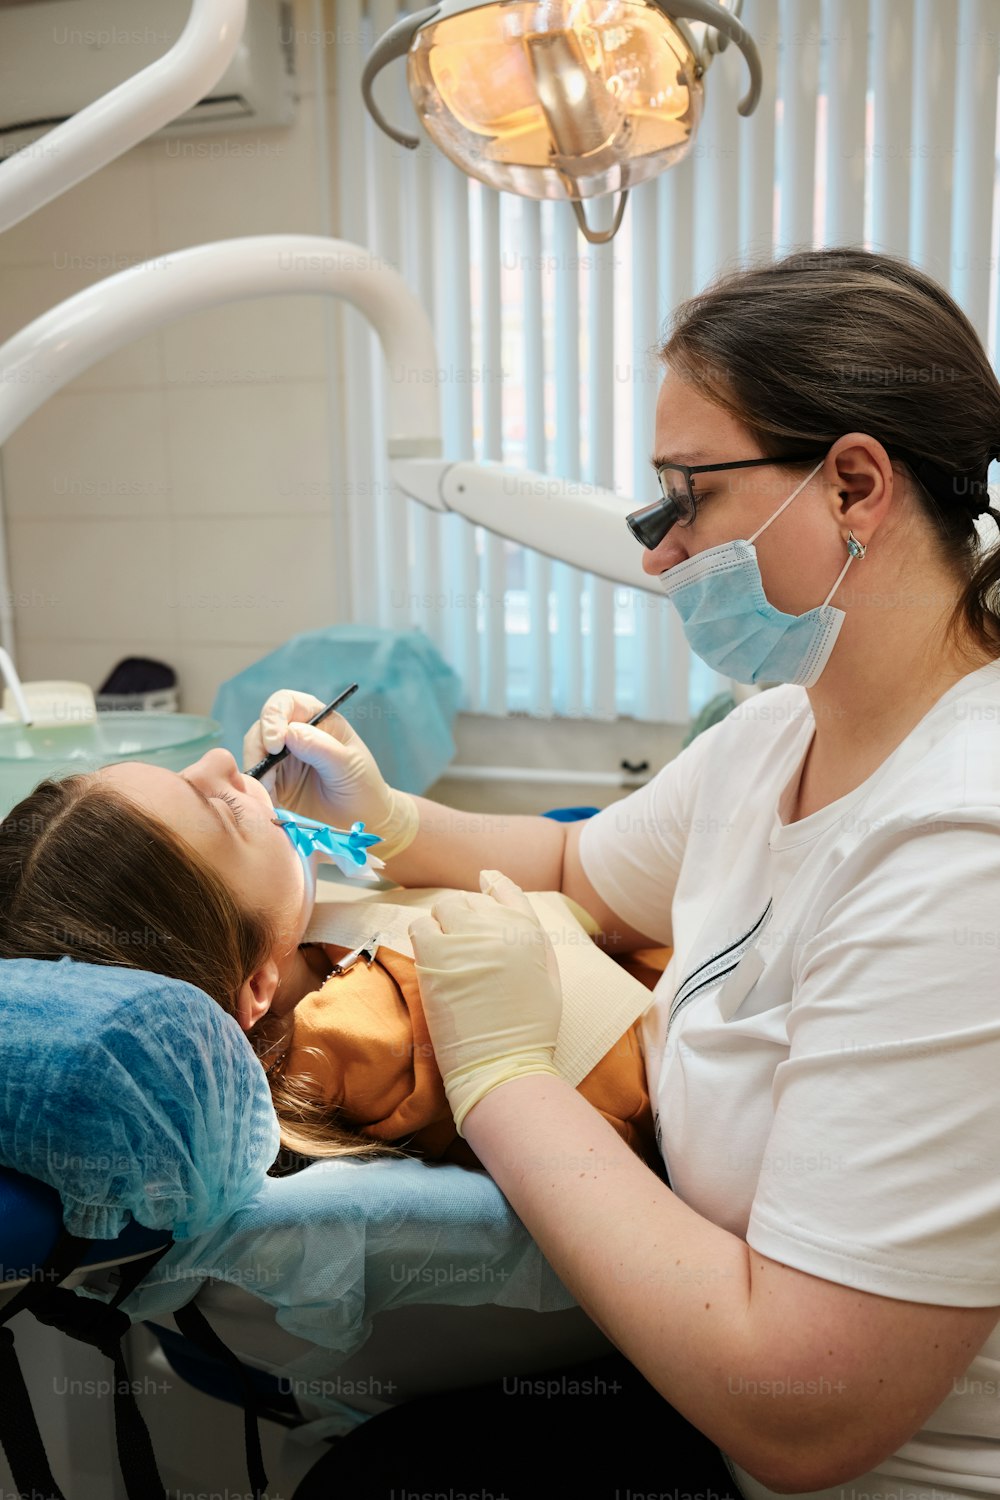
217, 765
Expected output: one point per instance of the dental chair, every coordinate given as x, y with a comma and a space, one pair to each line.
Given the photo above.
137, 1217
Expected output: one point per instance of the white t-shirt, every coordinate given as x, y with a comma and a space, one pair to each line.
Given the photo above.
823, 1049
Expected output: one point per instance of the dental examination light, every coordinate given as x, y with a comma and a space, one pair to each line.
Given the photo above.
562, 99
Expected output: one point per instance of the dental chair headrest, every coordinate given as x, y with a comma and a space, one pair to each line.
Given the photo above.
134, 1096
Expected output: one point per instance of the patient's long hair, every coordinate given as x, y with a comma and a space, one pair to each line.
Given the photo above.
86, 874
823, 342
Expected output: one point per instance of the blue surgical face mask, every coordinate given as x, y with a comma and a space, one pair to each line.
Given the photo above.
730, 623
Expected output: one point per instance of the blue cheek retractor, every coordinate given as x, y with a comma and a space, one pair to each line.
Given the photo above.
347, 850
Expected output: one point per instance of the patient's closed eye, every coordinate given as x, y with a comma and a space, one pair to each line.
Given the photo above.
228, 797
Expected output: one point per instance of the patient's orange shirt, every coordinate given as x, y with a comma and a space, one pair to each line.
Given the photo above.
373, 1059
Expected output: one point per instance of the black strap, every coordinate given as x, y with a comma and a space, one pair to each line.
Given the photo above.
66, 1254
102, 1325
135, 1449
92, 1322
194, 1325
19, 1436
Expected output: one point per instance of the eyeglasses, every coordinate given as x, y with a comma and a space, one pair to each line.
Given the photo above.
679, 505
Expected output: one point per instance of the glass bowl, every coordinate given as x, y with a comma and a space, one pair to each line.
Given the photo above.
28, 754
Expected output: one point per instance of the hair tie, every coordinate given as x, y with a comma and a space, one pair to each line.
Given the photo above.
983, 506
949, 488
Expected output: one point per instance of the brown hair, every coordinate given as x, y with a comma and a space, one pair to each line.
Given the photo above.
823, 342
86, 874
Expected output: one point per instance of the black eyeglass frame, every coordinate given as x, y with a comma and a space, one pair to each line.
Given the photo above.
650, 524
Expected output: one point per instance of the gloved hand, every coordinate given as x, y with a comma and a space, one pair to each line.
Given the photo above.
490, 989
330, 774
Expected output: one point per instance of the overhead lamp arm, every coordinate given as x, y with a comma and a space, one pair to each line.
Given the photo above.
109, 314
128, 114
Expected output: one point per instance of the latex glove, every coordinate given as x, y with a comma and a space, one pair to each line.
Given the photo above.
330, 774
490, 989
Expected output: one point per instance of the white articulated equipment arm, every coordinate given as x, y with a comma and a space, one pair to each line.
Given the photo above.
59, 345
141, 105
572, 522
43, 357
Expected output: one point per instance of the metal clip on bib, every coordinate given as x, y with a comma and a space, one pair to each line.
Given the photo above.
367, 951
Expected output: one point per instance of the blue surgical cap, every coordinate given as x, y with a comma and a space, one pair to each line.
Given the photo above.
134, 1096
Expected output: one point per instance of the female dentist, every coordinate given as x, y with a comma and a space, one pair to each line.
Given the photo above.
808, 1303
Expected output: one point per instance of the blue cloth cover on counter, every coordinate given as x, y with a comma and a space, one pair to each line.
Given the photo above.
403, 710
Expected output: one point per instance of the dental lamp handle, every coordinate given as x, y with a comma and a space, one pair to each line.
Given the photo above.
395, 43
727, 23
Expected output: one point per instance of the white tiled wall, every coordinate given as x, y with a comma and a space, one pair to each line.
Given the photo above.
176, 500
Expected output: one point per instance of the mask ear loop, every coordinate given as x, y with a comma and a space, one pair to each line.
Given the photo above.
797, 491
854, 547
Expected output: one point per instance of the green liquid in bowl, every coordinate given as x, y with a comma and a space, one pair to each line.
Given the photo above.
28, 754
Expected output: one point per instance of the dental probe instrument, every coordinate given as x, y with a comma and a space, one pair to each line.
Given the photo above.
263, 766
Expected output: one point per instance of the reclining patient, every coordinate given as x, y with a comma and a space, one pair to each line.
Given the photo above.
189, 875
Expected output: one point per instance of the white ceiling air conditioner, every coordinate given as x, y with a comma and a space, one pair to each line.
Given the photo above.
58, 55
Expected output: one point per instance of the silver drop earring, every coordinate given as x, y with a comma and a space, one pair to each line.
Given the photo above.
854, 547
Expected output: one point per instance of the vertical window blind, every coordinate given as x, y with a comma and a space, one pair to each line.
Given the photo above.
877, 126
